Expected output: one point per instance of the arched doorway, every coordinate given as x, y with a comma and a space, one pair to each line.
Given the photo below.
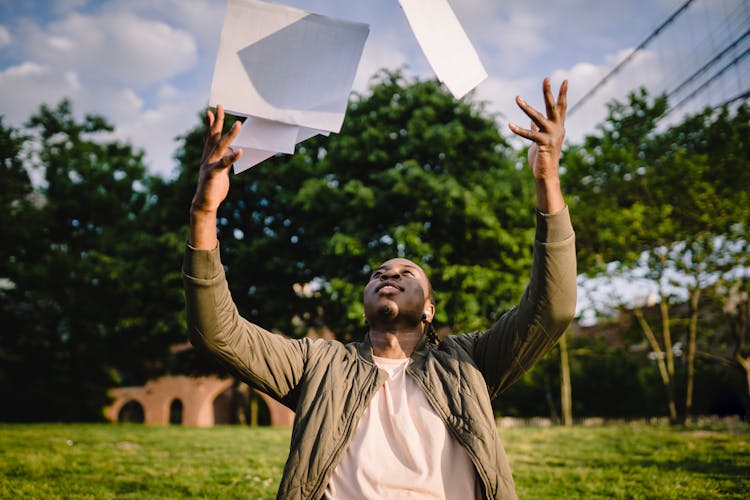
241, 405
131, 412
175, 412
258, 412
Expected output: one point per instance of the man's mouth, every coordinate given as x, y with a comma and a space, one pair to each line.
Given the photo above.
389, 287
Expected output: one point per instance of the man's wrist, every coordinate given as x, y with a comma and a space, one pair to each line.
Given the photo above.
202, 229
198, 214
549, 196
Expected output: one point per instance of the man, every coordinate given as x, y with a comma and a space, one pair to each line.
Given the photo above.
399, 414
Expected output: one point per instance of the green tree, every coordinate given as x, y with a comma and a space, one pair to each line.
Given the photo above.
92, 300
663, 201
729, 316
16, 201
711, 153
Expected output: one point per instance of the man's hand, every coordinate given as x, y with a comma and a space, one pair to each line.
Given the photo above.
544, 154
213, 180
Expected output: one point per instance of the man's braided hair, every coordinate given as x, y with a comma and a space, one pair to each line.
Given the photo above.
429, 329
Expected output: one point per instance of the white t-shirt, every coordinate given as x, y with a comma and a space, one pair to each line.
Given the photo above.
401, 448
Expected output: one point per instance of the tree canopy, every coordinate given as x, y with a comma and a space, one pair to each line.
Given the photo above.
87, 298
669, 202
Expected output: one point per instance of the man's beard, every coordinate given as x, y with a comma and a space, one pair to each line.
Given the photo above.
386, 312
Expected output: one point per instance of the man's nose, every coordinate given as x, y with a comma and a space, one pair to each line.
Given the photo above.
390, 275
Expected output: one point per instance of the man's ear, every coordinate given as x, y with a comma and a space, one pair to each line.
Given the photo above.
429, 311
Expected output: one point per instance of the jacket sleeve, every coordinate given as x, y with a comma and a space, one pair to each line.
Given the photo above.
268, 362
526, 332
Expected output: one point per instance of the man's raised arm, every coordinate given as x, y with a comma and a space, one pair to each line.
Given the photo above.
269, 362
526, 332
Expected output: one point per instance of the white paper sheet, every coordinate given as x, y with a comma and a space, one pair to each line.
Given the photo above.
287, 71
257, 133
445, 44
250, 158
284, 64
261, 139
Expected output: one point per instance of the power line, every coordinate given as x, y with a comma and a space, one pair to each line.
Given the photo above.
710, 63
625, 61
742, 95
708, 82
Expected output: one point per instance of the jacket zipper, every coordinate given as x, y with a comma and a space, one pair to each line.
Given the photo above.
346, 436
435, 406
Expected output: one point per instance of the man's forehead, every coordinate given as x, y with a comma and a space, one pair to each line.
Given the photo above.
401, 262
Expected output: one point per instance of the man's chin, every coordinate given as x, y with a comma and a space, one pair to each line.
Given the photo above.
388, 311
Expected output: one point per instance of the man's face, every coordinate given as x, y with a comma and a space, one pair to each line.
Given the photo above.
397, 292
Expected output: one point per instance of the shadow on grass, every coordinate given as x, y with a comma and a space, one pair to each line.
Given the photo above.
711, 466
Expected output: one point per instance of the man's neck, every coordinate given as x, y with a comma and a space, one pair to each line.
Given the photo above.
393, 343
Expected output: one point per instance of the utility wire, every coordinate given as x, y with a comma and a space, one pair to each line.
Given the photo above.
709, 63
743, 95
625, 61
707, 82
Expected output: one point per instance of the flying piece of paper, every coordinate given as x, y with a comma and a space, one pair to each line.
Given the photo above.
288, 71
445, 44
257, 133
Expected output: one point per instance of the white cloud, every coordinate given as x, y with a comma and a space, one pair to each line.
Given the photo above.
378, 54
506, 34
201, 18
26, 86
155, 129
121, 62
168, 92
646, 70
124, 50
500, 92
5, 37
65, 7
117, 104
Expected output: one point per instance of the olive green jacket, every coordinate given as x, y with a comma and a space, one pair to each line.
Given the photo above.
329, 384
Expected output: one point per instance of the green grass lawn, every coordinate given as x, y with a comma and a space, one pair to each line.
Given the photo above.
131, 461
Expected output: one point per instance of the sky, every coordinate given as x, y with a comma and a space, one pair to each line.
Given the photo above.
146, 65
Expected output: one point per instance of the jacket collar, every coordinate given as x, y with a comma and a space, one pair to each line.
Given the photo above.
365, 348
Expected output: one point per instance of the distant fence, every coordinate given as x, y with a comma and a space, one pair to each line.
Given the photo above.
508, 422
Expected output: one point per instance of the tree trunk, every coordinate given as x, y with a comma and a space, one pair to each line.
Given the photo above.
666, 332
667, 378
566, 395
695, 295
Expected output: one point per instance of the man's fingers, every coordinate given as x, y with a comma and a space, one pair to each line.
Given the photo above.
528, 134
532, 113
210, 119
562, 100
216, 146
214, 130
219, 123
225, 141
229, 158
549, 101
236, 155
208, 143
